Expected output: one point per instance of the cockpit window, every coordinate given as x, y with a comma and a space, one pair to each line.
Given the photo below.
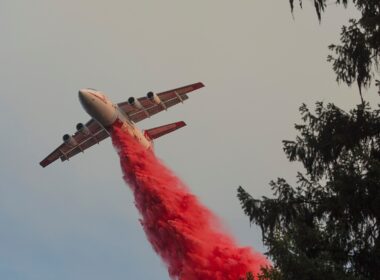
100, 96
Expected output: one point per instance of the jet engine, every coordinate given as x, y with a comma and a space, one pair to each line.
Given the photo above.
135, 103
69, 140
153, 97
83, 129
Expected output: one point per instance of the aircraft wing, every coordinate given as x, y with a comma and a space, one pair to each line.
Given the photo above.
82, 140
149, 107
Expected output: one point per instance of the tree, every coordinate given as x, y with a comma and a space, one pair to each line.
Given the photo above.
358, 55
249, 276
326, 227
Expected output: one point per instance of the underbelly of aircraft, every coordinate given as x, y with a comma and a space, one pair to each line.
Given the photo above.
132, 130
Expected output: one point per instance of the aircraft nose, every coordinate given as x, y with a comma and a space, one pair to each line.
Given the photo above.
84, 97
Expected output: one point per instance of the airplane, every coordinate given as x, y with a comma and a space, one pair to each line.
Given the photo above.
105, 115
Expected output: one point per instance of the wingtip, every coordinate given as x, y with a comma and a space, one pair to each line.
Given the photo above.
44, 163
181, 123
200, 84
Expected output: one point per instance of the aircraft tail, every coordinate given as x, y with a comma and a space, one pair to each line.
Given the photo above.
159, 131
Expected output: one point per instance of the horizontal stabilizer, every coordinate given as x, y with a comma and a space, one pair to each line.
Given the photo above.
156, 132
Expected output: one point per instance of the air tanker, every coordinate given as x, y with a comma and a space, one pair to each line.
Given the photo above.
105, 115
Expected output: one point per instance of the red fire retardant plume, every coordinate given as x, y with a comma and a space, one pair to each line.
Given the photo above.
181, 230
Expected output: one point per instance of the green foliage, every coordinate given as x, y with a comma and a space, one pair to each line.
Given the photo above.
249, 276
270, 273
359, 52
327, 227
320, 5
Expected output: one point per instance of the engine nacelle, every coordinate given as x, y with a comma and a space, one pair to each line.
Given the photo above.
134, 102
153, 97
69, 140
83, 129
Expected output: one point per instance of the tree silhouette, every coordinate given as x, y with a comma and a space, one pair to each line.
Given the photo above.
357, 56
327, 226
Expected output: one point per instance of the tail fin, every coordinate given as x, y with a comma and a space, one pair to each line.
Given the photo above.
159, 131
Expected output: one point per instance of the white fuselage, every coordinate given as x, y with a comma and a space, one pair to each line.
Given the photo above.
100, 108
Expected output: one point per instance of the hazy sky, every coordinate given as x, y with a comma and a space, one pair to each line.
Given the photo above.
77, 220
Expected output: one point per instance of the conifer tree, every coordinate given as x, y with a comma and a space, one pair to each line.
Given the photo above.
357, 56
327, 226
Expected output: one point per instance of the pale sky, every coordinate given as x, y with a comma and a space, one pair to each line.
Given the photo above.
77, 220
